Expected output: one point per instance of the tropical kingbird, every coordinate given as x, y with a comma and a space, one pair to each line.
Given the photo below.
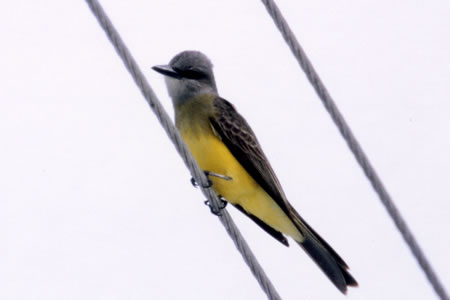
222, 142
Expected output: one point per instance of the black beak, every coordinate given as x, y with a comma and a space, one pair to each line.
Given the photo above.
167, 71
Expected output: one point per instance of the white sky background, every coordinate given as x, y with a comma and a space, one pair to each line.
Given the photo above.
96, 204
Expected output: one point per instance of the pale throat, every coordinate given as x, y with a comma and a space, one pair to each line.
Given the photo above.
181, 90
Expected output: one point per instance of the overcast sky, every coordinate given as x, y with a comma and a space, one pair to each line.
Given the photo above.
96, 204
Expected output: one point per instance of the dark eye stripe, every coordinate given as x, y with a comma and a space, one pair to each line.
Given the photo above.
191, 74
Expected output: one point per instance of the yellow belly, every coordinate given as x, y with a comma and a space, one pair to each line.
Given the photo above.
213, 155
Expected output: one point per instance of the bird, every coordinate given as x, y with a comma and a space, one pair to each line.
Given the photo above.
224, 145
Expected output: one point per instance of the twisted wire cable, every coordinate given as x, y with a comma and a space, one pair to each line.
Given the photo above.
354, 146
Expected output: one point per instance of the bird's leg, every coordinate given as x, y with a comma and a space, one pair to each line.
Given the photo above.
222, 205
208, 174
221, 176
223, 202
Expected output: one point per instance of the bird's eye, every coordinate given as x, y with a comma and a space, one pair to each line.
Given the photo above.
191, 73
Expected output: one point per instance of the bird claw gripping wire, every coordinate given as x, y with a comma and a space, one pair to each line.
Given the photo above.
195, 184
210, 183
222, 205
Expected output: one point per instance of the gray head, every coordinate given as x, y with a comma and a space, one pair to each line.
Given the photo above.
188, 74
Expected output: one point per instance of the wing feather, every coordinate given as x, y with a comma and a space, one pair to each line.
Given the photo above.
237, 135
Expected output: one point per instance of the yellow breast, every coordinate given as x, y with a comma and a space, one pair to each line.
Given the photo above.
213, 155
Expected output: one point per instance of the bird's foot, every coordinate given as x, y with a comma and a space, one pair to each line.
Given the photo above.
218, 212
195, 184
210, 183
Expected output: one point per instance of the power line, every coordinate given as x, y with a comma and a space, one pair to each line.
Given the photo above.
181, 147
354, 146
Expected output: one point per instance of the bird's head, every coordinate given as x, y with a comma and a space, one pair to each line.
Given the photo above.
188, 74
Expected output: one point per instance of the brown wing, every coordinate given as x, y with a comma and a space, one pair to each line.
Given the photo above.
237, 135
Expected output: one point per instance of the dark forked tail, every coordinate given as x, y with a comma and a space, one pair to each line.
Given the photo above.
327, 259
